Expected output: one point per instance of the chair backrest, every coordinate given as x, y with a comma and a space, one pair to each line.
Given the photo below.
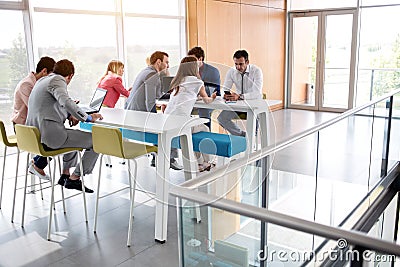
29, 139
3, 134
107, 141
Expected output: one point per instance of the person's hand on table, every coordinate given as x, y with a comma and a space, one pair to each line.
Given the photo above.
163, 107
231, 97
96, 116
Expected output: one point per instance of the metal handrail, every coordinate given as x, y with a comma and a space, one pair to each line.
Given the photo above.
352, 237
268, 150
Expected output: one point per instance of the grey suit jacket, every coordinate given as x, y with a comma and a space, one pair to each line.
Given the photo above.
49, 106
145, 90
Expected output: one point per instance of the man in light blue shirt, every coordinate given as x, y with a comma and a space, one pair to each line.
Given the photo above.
248, 80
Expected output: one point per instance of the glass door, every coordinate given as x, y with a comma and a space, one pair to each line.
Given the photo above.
322, 60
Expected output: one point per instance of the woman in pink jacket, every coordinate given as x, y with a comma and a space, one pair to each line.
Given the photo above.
112, 82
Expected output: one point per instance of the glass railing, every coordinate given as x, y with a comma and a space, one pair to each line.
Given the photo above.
328, 176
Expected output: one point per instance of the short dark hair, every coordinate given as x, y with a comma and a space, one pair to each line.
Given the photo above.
197, 51
157, 55
45, 63
241, 53
64, 67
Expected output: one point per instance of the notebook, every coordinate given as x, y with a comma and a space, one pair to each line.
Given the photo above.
96, 102
165, 83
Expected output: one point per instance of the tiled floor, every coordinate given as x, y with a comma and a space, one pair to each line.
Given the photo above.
73, 241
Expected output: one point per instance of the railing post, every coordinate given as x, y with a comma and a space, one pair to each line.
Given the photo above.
265, 171
181, 241
386, 138
371, 87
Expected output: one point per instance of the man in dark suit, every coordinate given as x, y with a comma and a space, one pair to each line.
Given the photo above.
211, 78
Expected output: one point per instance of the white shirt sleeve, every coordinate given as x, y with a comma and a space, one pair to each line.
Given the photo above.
256, 80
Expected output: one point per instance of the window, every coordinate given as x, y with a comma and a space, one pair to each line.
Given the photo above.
13, 60
90, 34
67, 36
379, 67
143, 36
76, 4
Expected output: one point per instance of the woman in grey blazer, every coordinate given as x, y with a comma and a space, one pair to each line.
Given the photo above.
49, 106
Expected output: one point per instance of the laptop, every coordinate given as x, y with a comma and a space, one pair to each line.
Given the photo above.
165, 83
96, 102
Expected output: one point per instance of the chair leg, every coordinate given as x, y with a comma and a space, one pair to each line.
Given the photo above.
25, 187
62, 187
52, 180
15, 186
97, 195
2, 176
83, 184
132, 190
41, 188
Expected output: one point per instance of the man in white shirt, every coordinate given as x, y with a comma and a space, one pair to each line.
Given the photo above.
248, 80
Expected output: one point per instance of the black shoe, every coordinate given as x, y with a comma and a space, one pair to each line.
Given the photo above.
153, 161
76, 184
62, 179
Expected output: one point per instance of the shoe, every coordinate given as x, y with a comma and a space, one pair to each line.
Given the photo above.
76, 184
32, 170
206, 166
62, 179
175, 165
153, 161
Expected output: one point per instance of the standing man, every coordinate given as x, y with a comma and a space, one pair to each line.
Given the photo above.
49, 106
211, 78
145, 91
248, 80
20, 109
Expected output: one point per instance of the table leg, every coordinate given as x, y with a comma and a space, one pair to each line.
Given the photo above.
162, 187
250, 130
264, 129
189, 160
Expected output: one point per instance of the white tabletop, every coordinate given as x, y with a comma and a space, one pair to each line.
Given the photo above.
146, 121
240, 105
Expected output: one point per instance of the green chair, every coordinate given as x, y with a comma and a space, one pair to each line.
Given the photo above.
28, 138
8, 141
108, 141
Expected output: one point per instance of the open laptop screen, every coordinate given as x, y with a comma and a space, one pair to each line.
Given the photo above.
165, 83
98, 98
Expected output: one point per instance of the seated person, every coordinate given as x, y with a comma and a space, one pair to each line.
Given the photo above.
248, 81
49, 107
20, 109
112, 82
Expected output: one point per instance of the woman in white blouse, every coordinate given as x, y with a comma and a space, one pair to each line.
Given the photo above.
185, 88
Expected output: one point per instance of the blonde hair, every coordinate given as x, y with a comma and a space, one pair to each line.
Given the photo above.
188, 67
113, 66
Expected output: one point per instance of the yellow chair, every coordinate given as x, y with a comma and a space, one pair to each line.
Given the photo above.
8, 141
108, 141
28, 138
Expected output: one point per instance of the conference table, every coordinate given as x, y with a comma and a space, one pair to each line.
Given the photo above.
254, 108
166, 127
